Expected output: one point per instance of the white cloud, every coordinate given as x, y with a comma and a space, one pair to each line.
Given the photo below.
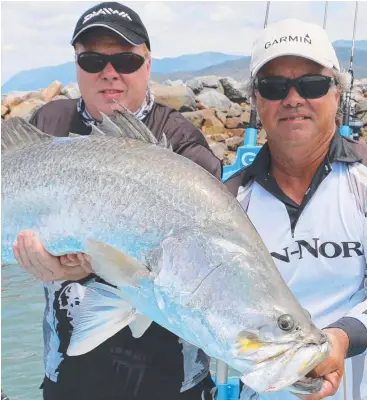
222, 13
158, 17
42, 32
8, 47
158, 12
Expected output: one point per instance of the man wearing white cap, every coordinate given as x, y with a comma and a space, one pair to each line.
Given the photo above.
309, 184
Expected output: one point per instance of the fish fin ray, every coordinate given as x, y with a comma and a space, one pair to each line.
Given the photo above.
107, 128
128, 126
115, 266
140, 324
136, 129
103, 313
17, 133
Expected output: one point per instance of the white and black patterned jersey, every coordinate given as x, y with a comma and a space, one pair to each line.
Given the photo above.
318, 246
157, 365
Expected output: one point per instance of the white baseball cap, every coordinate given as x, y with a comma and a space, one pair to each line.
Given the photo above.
293, 37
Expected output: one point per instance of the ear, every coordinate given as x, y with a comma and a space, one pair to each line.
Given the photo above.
254, 93
78, 47
255, 98
338, 92
148, 62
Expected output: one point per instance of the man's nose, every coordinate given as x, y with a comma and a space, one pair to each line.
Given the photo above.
293, 99
109, 72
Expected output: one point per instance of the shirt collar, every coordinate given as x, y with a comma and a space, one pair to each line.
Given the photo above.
340, 149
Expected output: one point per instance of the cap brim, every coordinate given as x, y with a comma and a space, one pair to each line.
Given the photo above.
125, 33
307, 56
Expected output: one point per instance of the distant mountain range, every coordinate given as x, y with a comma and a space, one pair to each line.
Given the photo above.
190, 62
359, 44
183, 67
34, 79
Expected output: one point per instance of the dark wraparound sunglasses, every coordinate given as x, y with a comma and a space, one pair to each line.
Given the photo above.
310, 86
123, 63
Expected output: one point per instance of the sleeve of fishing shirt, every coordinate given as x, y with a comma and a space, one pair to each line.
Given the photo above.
354, 323
58, 118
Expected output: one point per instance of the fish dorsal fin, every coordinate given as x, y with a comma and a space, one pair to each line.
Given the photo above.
106, 128
97, 132
17, 133
125, 124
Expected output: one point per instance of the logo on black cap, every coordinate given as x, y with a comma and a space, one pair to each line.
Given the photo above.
118, 18
106, 11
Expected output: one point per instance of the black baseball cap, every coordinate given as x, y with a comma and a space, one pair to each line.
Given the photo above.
115, 17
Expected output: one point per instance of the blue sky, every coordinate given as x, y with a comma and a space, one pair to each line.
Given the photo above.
37, 33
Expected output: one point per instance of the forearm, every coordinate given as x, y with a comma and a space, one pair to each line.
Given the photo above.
354, 324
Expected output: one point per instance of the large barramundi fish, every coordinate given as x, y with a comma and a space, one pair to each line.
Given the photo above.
175, 245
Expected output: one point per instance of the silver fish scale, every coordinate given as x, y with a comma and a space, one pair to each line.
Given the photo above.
212, 277
197, 281
103, 186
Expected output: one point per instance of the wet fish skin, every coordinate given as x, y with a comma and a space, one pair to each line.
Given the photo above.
178, 246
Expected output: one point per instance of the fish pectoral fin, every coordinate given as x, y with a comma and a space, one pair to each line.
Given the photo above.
115, 266
103, 312
140, 324
17, 133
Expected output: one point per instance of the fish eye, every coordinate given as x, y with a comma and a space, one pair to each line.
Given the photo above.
286, 322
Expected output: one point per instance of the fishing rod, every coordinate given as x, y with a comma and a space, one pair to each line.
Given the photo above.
231, 390
325, 15
251, 130
247, 152
266, 14
345, 129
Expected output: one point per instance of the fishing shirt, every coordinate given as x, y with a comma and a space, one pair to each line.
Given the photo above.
158, 364
319, 247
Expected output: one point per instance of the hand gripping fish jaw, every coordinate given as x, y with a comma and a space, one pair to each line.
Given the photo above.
281, 366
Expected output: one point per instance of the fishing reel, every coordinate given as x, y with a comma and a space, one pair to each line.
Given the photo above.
356, 128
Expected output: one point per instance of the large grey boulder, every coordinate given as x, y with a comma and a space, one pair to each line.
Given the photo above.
214, 99
234, 90
180, 98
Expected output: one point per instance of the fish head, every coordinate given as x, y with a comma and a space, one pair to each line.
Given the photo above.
280, 353
278, 344
234, 304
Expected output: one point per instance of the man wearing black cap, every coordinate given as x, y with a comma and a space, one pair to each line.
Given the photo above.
112, 51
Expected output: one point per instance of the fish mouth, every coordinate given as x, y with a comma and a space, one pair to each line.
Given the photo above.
288, 370
307, 385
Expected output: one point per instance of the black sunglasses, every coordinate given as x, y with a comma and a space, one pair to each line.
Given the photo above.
310, 86
123, 63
